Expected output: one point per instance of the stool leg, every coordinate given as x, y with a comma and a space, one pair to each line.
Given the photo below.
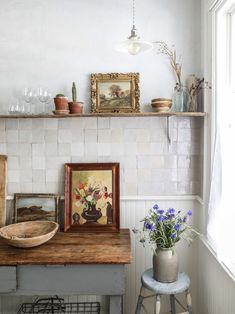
158, 304
172, 299
140, 300
189, 302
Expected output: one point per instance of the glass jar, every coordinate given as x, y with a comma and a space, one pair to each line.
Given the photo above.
178, 99
192, 103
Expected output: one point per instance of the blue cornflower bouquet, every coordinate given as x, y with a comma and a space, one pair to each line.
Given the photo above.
164, 228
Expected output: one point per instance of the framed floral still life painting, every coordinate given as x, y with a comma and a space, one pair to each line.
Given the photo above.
115, 92
29, 207
92, 197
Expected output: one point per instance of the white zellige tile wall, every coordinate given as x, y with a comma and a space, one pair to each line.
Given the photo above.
38, 148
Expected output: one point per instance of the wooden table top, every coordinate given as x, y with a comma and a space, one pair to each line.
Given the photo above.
72, 248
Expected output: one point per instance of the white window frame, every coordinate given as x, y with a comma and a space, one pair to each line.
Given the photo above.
210, 57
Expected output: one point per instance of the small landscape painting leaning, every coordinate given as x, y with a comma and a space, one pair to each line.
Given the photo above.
29, 208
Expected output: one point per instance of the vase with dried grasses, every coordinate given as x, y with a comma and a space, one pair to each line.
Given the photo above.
163, 48
179, 96
194, 86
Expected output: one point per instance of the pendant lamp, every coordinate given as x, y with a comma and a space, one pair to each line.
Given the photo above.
133, 45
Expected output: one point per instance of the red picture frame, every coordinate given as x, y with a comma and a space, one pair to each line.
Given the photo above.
92, 197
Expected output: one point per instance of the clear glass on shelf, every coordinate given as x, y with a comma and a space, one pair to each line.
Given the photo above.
44, 98
16, 107
178, 99
192, 104
29, 97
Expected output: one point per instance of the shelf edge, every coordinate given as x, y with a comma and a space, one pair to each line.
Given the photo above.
108, 115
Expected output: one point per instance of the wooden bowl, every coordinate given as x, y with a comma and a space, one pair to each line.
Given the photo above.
29, 234
161, 100
161, 104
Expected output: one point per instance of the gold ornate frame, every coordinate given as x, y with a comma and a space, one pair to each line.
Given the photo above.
128, 103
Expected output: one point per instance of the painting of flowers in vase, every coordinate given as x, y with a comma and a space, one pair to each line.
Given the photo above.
92, 201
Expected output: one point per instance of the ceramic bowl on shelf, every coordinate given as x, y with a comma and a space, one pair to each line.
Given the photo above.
161, 104
30, 233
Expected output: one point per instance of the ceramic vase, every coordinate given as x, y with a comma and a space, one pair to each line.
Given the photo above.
165, 265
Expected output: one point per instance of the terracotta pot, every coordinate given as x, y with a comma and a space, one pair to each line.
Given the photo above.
61, 103
165, 265
76, 107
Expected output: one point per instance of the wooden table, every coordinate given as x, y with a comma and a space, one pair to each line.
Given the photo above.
70, 263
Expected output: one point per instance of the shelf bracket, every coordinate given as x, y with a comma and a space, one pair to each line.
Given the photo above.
168, 129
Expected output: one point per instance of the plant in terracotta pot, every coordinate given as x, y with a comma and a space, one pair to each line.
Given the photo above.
163, 229
75, 106
61, 102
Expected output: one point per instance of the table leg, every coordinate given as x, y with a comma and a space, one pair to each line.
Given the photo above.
172, 299
115, 304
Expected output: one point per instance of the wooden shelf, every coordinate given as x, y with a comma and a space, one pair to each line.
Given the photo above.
138, 114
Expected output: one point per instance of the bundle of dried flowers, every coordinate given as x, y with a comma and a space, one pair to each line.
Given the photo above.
163, 48
195, 85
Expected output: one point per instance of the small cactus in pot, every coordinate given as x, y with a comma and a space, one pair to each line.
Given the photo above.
74, 92
61, 102
75, 106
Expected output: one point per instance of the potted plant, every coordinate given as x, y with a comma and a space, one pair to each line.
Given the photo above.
163, 229
61, 102
75, 106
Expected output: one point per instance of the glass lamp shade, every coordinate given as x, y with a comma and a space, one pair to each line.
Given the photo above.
134, 45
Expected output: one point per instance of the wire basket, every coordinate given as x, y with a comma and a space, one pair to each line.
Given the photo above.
58, 306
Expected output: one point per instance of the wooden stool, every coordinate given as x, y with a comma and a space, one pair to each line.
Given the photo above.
160, 288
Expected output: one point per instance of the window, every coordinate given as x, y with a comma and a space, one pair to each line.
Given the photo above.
221, 231
233, 51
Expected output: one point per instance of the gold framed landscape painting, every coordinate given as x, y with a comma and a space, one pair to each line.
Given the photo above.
115, 92
92, 197
32, 206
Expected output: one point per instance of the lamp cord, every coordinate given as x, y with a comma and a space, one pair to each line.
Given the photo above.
133, 7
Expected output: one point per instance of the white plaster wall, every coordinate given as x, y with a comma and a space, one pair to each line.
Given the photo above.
51, 43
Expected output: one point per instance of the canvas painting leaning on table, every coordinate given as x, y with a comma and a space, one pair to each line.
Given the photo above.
92, 197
